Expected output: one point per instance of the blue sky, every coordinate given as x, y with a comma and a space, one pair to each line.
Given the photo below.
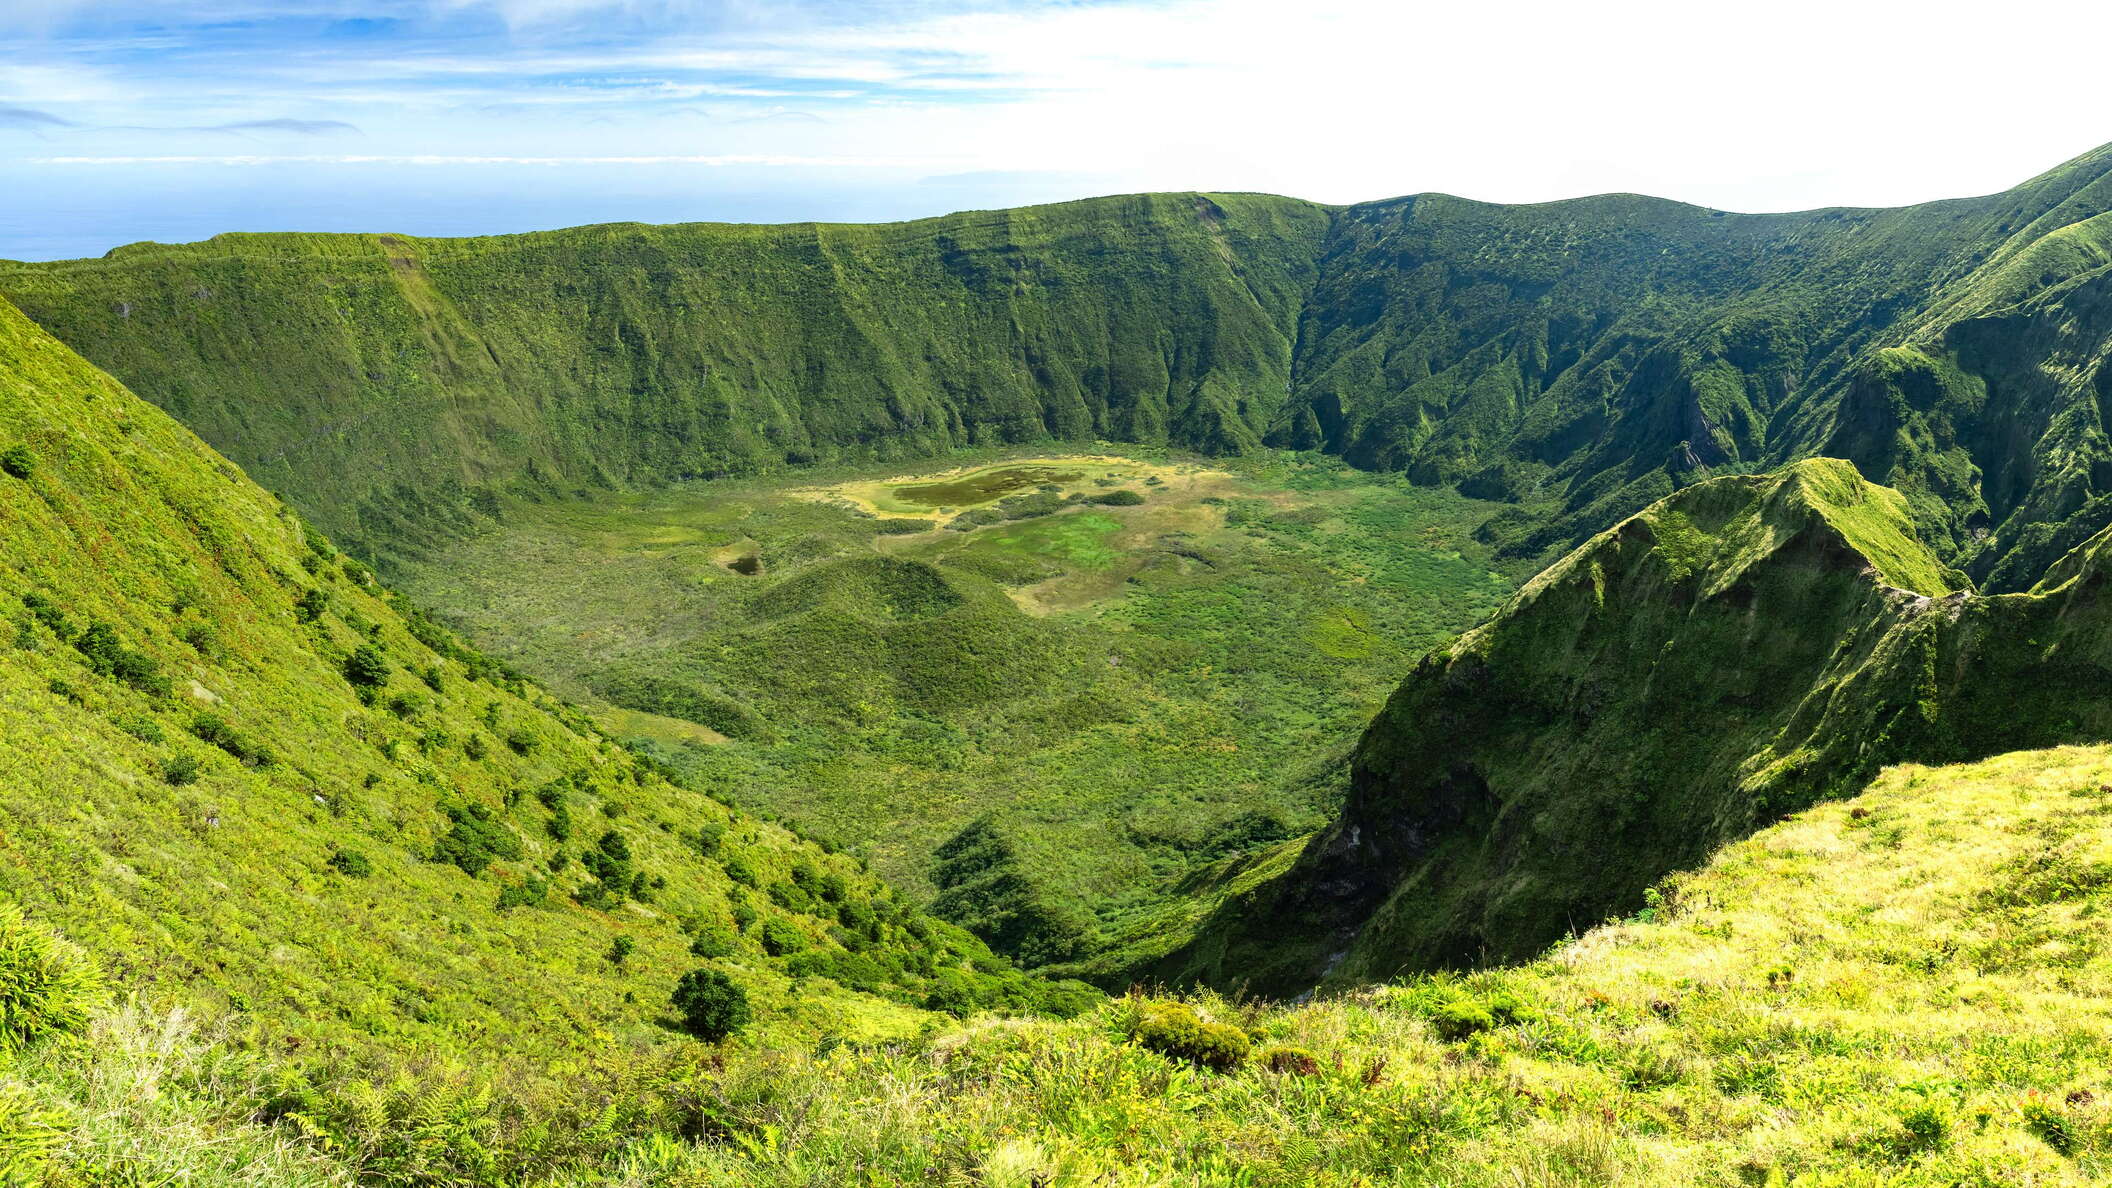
123, 120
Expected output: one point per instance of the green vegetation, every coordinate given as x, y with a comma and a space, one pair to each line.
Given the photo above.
1907, 988
290, 831
627, 355
1043, 723
1578, 360
386, 911
713, 1007
1734, 653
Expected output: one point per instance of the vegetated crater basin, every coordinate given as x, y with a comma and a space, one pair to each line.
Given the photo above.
981, 486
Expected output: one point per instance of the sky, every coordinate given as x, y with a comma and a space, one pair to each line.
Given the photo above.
173, 120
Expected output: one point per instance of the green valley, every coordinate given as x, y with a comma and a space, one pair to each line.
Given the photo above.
1043, 706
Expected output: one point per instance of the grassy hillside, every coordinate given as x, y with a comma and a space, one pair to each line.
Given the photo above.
1731, 654
249, 783
1042, 712
1906, 988
1602, 352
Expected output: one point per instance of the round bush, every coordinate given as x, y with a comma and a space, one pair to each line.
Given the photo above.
712, 1007
366, 667
1174, 1029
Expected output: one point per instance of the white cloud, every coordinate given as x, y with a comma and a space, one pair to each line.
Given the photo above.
1809, 102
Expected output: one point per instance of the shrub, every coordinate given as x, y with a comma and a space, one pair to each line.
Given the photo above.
107, 656
143, 728
708, 837
952, 993
620, 950
1023, 507
2050, 1125
367, 667
351, 863
1460, 1018
204, 638
1122, 498
1174, 1029
17, 461
180, 769
712, 942
711, 1005
1462, 1015
47, 612
47, 987
610, 860
475, 838
213, 728
780, 937
739, 869
520, 741
311, 604
902, 527
1296, 1062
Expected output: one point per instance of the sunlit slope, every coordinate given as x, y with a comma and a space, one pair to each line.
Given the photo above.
1736, 652
1906, 988
243, 778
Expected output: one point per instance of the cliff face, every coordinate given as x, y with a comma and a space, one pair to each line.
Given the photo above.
1733, 653
1581, 358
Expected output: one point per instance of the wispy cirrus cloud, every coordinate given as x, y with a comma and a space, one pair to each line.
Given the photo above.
30, 118
289, 126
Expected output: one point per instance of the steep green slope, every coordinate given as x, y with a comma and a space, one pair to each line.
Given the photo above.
383, 382
249, 783
1733, 653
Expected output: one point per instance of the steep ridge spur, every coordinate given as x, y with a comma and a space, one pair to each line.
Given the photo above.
1732, 654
